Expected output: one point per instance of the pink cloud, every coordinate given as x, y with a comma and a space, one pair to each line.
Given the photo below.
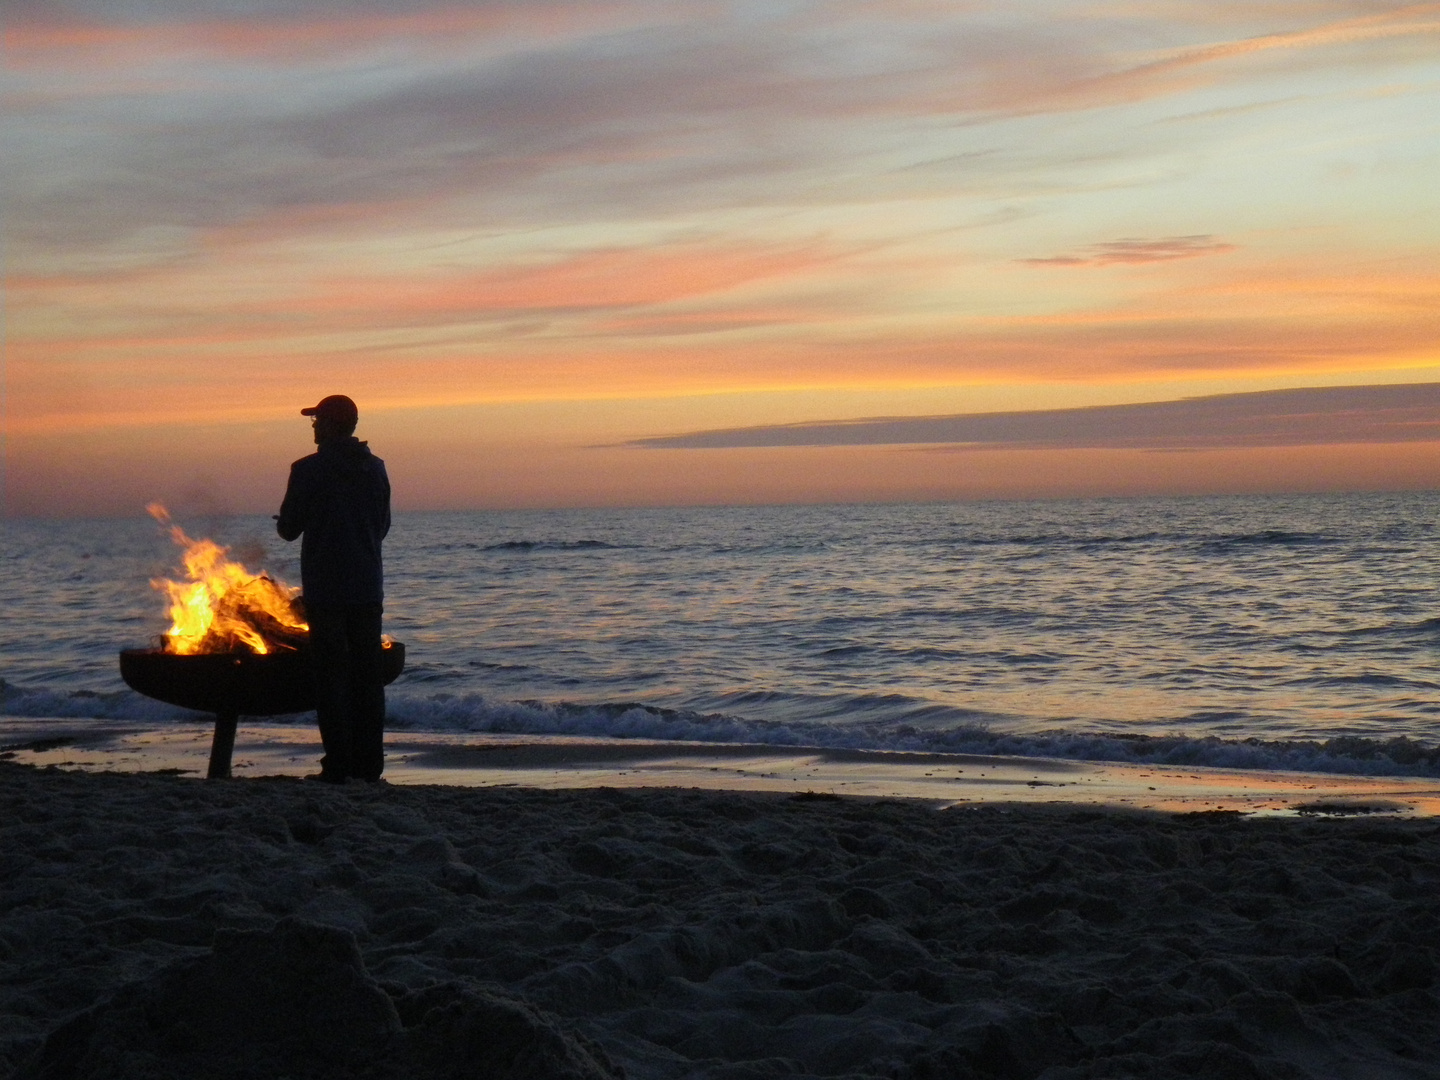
48, 39
614, 278
1179, 68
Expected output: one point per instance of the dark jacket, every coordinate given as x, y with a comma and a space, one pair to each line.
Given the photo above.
339, 498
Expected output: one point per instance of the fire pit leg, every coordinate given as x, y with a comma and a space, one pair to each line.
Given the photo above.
222, 745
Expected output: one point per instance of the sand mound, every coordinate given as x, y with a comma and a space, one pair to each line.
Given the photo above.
297, 1002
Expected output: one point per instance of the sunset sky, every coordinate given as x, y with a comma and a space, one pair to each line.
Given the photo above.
562, 251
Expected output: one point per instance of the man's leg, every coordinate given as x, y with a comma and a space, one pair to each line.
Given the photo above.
330, 656
367, 692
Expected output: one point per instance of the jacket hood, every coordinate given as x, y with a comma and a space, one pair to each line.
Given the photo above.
349, 446
348, 456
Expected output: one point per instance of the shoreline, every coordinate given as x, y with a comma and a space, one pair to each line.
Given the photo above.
697, 935
577, 762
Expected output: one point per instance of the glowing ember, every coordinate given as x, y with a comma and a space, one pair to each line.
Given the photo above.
224, 607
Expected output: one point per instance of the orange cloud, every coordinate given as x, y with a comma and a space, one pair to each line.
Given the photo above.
237, 304
1160, 75
1414, 19
230, 287
652, 322
609, 278
714, 320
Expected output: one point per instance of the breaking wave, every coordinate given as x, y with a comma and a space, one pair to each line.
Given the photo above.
1348, 755
87, 705
474, 713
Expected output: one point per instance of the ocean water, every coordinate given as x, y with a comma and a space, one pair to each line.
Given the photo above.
1257, 631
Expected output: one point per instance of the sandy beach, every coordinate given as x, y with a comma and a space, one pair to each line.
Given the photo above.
157, 926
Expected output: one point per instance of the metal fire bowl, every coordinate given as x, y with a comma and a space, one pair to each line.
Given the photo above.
236, 683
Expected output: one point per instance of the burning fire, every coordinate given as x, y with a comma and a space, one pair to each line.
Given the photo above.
224, 607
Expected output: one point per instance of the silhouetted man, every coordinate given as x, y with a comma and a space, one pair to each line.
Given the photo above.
339, 499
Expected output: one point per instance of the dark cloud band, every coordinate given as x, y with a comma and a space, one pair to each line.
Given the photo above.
1304, 417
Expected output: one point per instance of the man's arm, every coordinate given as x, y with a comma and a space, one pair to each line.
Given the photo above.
385, 517
290, 522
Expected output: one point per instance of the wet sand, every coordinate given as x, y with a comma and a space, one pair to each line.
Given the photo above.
159, 926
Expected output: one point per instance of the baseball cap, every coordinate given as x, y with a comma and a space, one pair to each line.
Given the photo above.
336, 407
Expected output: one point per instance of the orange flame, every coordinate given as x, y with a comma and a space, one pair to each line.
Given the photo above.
224, 607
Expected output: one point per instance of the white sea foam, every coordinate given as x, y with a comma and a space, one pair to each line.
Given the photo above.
475, 713
1346, 755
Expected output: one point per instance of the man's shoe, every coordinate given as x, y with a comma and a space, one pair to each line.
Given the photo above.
323, 777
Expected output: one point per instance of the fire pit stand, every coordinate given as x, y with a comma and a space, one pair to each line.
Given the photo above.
222, 745
232, 685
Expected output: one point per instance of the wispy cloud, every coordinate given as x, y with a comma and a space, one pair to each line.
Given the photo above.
1304, 417
1134, 250
43, 31
284, 37
1184, 66
597, 280
665, 319
579, 107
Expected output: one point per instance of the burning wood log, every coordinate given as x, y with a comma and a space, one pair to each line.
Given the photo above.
239, 628
223, 607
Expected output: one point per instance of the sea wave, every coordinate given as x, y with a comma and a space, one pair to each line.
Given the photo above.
87, 705
1210, 543
551, 545
475, 713
1056, 539
1348, 755
1226, 543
